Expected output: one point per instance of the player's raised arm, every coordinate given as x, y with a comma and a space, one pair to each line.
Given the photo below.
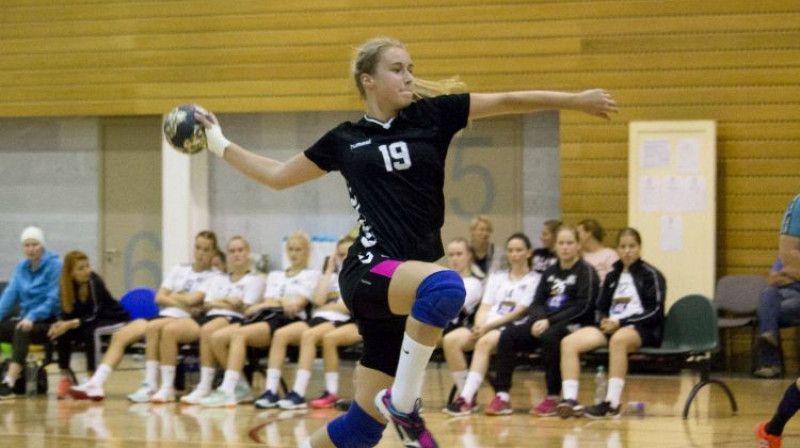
597, 102
270, 172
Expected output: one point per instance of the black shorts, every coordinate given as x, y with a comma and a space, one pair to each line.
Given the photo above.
365, 291
365, 286
321, 320
274, 317
204, 319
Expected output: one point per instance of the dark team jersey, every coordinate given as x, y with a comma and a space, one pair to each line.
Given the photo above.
395, 175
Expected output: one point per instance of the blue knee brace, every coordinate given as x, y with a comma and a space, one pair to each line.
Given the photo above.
439, 298
355, 429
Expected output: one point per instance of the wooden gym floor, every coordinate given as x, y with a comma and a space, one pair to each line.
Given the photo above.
47, 422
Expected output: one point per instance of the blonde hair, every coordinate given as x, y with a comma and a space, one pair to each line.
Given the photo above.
304, 241
477, 219
368, 55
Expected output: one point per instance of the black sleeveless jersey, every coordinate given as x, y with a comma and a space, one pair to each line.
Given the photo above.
395, 175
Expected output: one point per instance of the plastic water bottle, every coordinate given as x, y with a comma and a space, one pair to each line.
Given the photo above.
600, 385
31, 372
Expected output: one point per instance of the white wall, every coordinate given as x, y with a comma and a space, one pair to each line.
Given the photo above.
48, 178
542, 176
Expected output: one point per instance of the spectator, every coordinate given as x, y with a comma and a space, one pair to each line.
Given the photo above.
508, 296
284, 302
545, 256
178, 297
86, 305
778, 307
564, 301
34, 287
601, 258
631, 307
485, 259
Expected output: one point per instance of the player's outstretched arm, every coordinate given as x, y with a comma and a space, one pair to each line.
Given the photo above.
596, 102
270, 172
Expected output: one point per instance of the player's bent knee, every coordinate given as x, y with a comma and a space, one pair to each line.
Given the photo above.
355, 429
439, 298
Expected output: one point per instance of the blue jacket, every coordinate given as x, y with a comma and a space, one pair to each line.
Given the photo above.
35, 291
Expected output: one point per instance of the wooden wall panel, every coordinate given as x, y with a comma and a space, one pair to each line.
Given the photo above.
734, 61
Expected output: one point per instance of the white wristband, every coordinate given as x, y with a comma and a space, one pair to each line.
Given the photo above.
216, 141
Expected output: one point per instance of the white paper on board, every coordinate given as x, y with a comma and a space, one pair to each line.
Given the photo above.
693, 188
688, 156
671, 233
649, 194
654, 153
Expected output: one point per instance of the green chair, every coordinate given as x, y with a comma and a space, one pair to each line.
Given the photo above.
691, 337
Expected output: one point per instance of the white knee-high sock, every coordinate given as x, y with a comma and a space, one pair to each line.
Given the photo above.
206, 378
151, 374
101, 375
229, 381
474, 380
614, 393
273, 379
570, 388
167, 377
332, 382
301, 381
410, 375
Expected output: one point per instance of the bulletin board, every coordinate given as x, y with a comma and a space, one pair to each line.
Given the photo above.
672, 184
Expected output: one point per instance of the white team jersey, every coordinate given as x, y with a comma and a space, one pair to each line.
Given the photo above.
626, 301
334, 296
296, 287
249, 288
474, 287
183, 279
504, 294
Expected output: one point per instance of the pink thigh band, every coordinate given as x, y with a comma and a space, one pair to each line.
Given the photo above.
386, 268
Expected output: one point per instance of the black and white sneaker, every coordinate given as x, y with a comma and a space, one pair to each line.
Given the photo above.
602, 410
569, 408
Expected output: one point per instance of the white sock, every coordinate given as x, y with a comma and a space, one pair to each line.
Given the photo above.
504, 396
474, 380
229, 381
410, 377
273, 379
167, 377
332, 382
301, 381
459, 378
614, 393
101, 375
570, 388
206, 378
151, 373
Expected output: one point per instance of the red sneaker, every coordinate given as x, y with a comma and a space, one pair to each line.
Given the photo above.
327, 400
498, 406
765, 439
63, 387
547, 408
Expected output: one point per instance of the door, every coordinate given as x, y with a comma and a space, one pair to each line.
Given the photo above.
131, 202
